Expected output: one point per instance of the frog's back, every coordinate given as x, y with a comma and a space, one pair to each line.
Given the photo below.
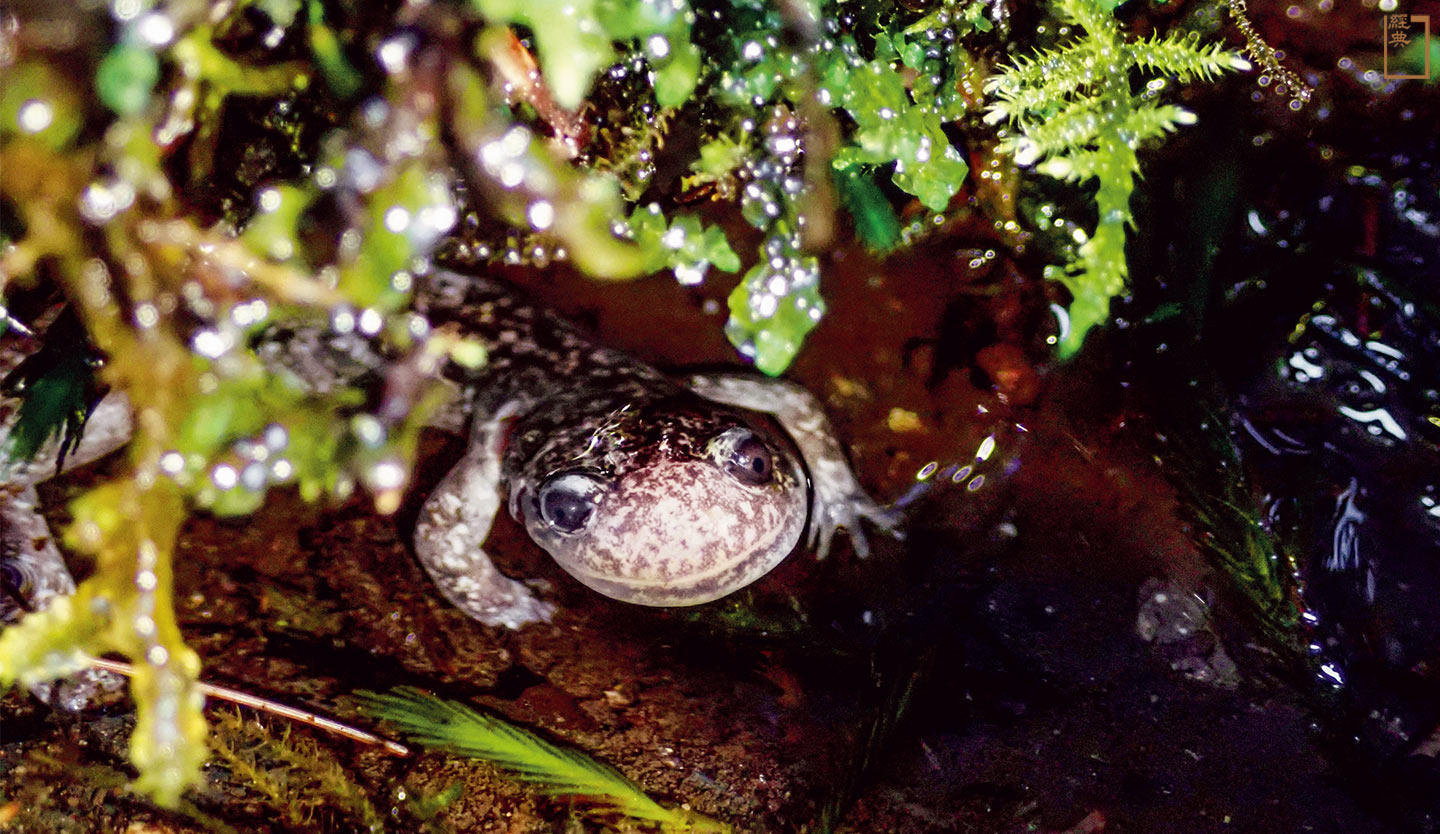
532, 354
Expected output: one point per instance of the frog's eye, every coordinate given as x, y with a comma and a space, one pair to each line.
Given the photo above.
567, 502
13, 581
746, 457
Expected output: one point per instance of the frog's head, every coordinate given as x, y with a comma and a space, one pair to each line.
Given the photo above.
668, 504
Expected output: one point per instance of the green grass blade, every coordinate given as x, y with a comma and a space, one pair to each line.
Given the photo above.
553, 770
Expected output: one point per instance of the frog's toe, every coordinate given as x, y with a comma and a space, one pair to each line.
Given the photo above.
514, 609
887, 518
848, 515
820, 535
493, 599
876, 515
531, 611
858, 542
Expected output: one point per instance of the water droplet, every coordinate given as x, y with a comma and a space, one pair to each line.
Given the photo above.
35, 115
387, 475
125, 9
541, 214
370, 321
394, 53
368, 430
224, 476
210, 344
397, 219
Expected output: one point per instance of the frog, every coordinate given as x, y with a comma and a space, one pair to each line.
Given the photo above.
649, 488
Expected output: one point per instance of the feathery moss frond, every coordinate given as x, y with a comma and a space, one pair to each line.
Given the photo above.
1041, 80
1184, 57
1077, 166
1154, 122
1076, 126
1077, 119
1096, 18
554, 770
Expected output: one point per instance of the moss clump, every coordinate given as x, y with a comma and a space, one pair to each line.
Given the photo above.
1076, 118
292, 775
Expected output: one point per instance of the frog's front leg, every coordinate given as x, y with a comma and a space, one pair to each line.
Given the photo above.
837, 499
451, 532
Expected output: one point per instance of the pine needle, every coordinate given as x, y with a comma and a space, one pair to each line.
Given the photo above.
551, 769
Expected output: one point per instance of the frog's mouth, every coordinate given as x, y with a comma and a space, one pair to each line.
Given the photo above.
680, 533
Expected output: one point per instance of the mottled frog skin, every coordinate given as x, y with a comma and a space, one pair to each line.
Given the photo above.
645, 488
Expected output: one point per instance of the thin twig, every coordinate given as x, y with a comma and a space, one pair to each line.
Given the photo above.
517, 67
225, 693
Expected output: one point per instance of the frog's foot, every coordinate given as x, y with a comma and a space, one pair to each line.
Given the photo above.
449, 535
829, 513
494, 600
836, 499
451, 532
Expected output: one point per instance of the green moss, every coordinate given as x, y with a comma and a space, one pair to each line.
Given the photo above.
876, 224
293, 775
891, 129
895, 98
1076, 118
684, 246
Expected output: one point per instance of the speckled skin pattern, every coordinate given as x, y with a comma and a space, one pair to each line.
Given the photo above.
668, 516
670, 525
